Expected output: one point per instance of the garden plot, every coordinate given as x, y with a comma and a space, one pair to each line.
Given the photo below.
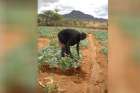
67, 76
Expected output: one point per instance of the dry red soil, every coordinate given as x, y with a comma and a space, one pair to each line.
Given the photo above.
91, 77
42, 42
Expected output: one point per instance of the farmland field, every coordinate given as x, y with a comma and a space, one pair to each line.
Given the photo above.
87, 74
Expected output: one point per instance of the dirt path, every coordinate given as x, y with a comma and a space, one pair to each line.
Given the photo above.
89, 79
98, 78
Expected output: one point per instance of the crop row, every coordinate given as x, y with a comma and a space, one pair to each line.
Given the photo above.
102, 38
51, 56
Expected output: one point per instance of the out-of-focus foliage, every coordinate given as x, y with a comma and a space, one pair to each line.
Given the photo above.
124, 45
17, 46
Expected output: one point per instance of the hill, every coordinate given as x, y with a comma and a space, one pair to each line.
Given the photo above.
78, 15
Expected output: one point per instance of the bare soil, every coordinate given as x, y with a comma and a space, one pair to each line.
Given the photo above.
42, 42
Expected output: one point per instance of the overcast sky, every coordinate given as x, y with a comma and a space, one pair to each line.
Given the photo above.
97, 8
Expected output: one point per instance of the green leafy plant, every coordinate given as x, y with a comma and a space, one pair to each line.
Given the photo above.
51, 56
67, 63
51, 88
84, 43
101, 35
102, 38
104, 50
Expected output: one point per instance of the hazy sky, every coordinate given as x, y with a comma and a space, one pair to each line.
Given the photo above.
97, 8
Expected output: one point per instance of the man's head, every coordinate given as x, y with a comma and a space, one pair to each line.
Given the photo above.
83, 36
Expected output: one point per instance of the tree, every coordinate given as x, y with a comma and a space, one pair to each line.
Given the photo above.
50, 17
41, 19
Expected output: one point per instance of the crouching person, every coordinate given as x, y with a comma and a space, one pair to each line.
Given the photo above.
70, 37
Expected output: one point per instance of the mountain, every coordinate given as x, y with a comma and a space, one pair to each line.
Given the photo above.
78, 15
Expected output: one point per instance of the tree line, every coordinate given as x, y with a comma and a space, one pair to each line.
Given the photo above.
53, 18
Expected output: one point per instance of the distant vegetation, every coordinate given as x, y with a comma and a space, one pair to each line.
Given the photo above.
73, 19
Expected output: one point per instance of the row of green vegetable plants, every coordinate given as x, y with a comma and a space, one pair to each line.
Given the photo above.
102, 37
51, 56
